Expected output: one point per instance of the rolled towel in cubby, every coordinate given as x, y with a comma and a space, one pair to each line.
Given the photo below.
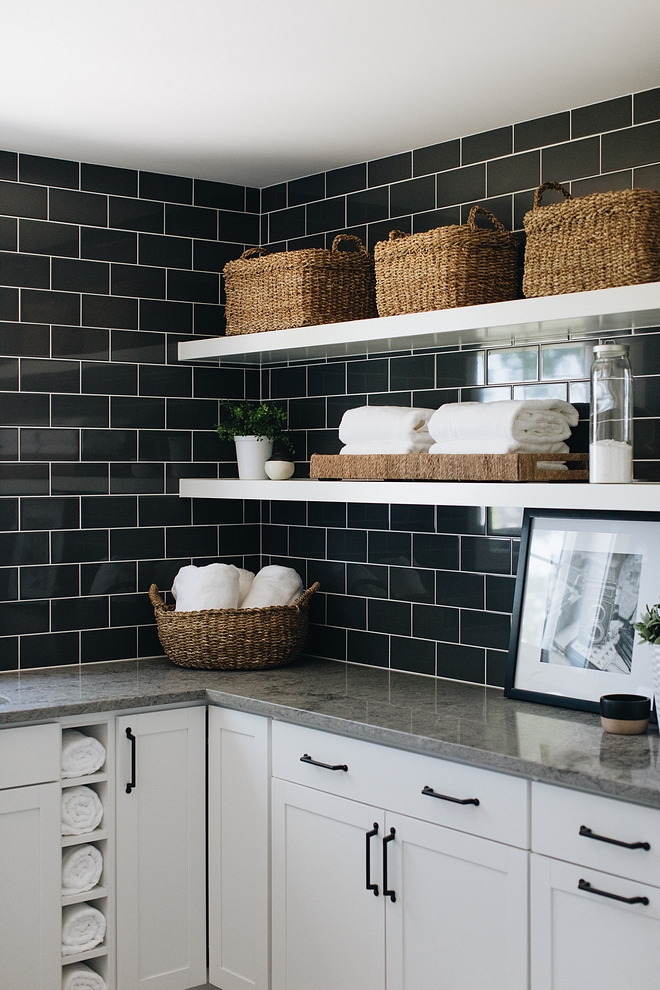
83, 928
81, 977
82, 810
81, 754
81, 869
274, 585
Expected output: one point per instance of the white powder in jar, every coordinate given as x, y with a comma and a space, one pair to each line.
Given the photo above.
610, 462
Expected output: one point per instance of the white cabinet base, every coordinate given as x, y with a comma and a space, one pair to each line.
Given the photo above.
238, 843
30, 884
161, 904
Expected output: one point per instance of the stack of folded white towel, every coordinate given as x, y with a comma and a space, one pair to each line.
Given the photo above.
226, 586
82, 810
385, 430
81, 977
81, 754
532, 426
81, 869
83, 928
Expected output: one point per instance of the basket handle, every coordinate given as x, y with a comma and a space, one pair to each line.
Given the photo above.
340, 238
154, 597
396, 235
471, 221
549, 185
254, 252
301, 602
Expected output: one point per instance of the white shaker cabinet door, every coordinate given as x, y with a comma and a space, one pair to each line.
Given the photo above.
238, 844
161, 903
30, 888
328, 928
601, 936
459, 918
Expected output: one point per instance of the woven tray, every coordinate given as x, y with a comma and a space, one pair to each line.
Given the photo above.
446, 267
233, 638
446, 467
592, 242
302, 288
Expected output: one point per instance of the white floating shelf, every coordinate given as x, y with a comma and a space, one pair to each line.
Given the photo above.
86, 895
519, 321
100, 950
92, 778
77, 840
638, 497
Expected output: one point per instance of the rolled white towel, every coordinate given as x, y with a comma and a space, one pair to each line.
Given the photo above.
81, 754
420, 445
274, 585
390, 424
199, 588
81, 977
490, 446
522, 420
83, 928
245, 579
81, 869
81, 810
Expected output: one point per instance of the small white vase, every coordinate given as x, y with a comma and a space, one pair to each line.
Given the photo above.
251, 454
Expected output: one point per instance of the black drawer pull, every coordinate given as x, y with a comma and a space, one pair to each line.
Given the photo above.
588, 834
370, 835
338, 766
387, 893
586, 886
445, 797
131, 784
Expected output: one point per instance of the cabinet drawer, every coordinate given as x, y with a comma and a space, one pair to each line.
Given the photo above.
558, 815
29, 755
393, 779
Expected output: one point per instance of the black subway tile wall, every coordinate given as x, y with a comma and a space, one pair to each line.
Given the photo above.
105, 270
407, 587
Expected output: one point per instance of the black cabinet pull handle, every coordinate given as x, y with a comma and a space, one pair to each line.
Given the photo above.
588, 834
328, 766
445, 797
586, 886
131, 784
387, 893
370, 835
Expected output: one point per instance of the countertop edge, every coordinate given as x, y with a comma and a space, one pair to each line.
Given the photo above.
365, 731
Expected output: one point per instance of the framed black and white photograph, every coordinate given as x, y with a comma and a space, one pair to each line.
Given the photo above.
584, 579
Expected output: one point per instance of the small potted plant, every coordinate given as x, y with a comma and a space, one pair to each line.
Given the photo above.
254, 427
649, 632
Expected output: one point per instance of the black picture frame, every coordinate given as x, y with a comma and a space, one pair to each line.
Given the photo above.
517, 680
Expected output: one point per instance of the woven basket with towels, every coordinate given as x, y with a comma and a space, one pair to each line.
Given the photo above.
233, 638
446, 267
592, 242
299, 288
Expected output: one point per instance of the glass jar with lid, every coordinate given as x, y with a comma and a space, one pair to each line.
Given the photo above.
611, 418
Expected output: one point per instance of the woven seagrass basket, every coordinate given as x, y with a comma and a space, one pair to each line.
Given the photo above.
592, 242
446, 267
299, 288
233, 638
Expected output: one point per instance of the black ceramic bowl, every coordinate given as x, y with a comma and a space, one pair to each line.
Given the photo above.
625, 714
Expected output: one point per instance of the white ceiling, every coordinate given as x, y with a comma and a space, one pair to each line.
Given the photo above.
258, 91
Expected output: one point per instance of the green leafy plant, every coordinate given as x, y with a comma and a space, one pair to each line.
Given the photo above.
649, 627
246, 419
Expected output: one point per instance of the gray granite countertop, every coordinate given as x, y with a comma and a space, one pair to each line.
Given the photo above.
461, 722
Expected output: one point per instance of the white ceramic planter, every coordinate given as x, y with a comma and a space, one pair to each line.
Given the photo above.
251, 454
